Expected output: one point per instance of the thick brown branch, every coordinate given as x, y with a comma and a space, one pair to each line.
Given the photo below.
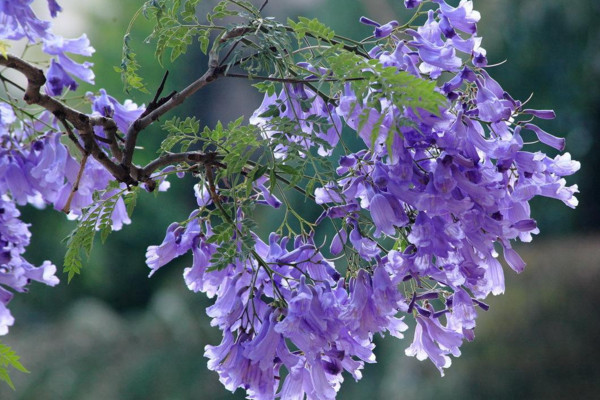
110, 128
177, 98
125, 172
81, 122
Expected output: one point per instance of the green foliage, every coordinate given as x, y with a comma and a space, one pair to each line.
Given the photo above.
95, 218
233, 236
263, 47
182, 132
81, 239
177, 26
129, 69
221, 10
8, 358
313, 27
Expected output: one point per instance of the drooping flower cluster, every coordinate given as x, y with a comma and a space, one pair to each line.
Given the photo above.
285, 308
36, 167
448, 188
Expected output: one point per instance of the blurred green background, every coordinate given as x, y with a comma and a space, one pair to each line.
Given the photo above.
114, 334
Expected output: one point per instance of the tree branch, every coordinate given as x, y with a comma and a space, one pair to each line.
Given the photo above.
110, 128
173, 158
176, 99
81, 122
126, 171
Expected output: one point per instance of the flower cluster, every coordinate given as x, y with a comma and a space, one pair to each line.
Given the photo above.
36, 167
451, 185
421, 211
285, 309
450, 189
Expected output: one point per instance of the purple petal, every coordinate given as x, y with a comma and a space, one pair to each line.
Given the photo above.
546, 138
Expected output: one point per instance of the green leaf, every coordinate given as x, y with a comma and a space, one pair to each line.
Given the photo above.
265, 87
8, 358
130, 200
312, 27
129, 67
80, 240
184, 133
258, 172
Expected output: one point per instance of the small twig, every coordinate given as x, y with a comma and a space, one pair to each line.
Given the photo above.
72, 136
158, 101
236, 32
290, 80
67, 206
173, 158
7, 80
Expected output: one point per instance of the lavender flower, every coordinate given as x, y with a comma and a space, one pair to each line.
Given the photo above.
17, 20
15, 272
54, 8
58, 79
123, 114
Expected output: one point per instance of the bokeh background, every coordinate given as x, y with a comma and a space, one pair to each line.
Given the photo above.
114, 334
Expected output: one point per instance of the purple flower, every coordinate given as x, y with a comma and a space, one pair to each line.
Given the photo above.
94, 178
266, 193
462, 17
513, 259
463, 314
434, 342
261, 349
412, 3
338, 242
465, 75
235, 370
387, 213
57, 79
364, 246
386, 29
300, 105
380, 31
15, 272
178, 241
123, 114
196, 277
58, 46
441, 56
7, 117
372, 305
49, 167
54, 8
543, 114
546, 138
202, 195
17, 182
6, 318
17, 20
